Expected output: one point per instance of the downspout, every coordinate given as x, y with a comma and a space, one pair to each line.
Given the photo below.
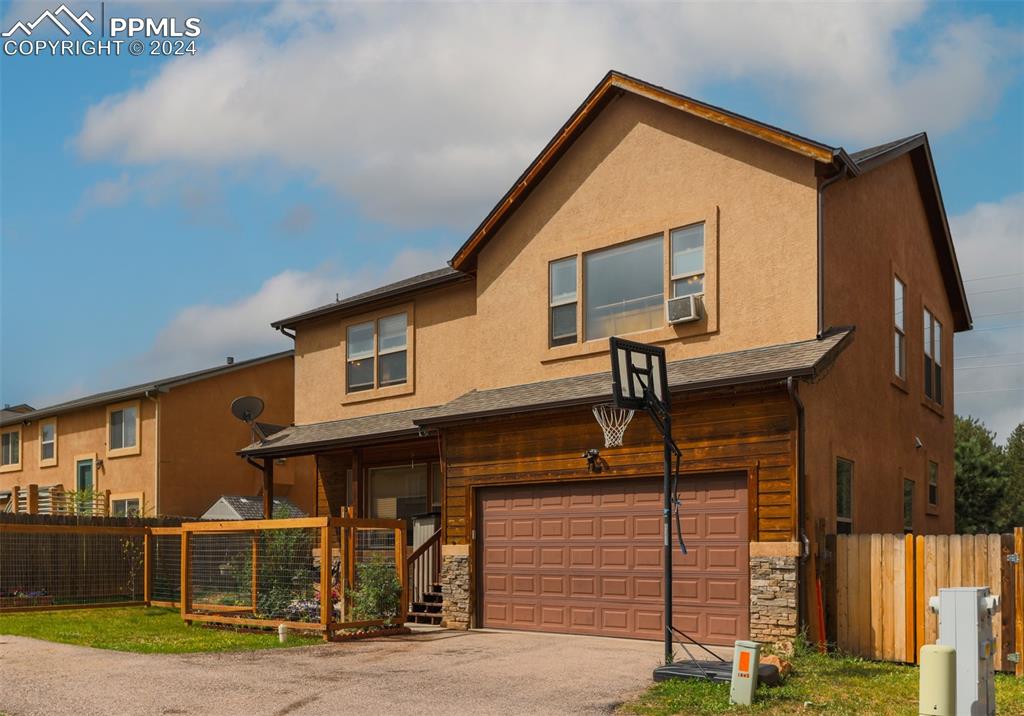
156, 471
794, 395
286, 333
821, 247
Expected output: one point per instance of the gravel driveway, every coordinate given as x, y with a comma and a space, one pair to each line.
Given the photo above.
436, 672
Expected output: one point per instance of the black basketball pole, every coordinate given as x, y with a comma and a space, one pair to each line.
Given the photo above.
667, 434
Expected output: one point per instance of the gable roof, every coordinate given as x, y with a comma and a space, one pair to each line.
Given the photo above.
136, 391
246, 507
360, 301
805, 359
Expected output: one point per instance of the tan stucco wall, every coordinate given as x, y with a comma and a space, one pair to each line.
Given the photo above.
874, 225
199, 438
640, 168
84, 432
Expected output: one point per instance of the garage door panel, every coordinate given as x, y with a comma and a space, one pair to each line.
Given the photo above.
586, 558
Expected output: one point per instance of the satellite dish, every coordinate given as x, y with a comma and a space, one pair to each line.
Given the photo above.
247, 408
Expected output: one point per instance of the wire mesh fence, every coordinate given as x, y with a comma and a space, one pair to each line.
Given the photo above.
165, 566
46, 566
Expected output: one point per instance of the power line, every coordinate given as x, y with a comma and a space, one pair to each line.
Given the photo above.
998, 328
989, 278
1001, 313
996, 390
996, 290
997, 365
991, 355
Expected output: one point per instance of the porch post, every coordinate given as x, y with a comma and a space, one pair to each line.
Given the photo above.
268, 488
356, 497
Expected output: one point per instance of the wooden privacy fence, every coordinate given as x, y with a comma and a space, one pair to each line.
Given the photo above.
299, 572
882, 585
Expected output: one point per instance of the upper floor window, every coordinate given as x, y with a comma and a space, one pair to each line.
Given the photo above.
688, 261
932, 357
908, 505
48, 443
10, 448
562, 300
377, 353
933, 483
900, 336
844, 496
123, 428
624, 288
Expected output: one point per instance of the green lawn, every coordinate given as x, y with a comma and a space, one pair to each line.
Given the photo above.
146, 630
820, 685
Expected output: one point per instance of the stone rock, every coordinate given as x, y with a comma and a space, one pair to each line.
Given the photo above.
784, 667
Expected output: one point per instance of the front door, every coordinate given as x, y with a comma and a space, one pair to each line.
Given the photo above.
83, 475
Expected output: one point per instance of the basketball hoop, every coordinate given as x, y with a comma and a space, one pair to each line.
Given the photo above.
613, 422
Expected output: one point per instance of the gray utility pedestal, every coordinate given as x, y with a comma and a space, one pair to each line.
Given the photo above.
965, 623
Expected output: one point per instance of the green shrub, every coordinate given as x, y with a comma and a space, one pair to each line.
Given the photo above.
378, 594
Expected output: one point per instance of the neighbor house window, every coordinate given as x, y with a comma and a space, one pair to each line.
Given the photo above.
562, 301
908, 505
125, 508
932, 357
900, 337
933, 483
377, 353
844, 496
48, 443
124, 427
688, 261
10, 449
624, 288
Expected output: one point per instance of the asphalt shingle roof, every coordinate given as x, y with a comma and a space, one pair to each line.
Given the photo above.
800, 359
251, 507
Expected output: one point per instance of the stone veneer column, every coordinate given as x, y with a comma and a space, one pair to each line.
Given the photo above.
455, 586
773, 591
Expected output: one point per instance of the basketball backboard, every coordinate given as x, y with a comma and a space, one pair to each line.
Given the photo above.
638, 370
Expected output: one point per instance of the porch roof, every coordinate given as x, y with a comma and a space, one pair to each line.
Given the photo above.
803, 359
756, 365
306, 439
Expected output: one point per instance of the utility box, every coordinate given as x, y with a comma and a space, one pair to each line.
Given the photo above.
965, 623
746, 659
937, 694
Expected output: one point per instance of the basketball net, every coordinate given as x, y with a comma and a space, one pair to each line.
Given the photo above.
613, 422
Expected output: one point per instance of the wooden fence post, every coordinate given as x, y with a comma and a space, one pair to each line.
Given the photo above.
106, 503
33, 499
911, 612
400, 570
326, 602
147, 566
1018, 570
16, 498
186, 591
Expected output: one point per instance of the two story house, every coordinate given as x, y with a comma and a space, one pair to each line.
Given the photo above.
166, 447
813, 382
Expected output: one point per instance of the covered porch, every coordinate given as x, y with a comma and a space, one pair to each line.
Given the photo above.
379, 467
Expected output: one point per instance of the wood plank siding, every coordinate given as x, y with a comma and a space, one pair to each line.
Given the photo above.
750, 431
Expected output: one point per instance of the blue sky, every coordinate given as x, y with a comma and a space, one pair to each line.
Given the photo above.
157, 213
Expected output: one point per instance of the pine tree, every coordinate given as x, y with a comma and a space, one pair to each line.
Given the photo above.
981, 478
1013, 504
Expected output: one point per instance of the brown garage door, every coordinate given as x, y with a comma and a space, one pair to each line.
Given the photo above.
586, 558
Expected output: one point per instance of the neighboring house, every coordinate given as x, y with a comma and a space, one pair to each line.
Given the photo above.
813, 389
167, 447
250, 507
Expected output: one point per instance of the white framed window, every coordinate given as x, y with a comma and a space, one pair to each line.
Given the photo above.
129, 507
377, 353
933, 483
687, 260
392, 363
562, 301
844, 496
48, 443
359, 357
123, 424
932, 357
10, 449
624, 288
899, 329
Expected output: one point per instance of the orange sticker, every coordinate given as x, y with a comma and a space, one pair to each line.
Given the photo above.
745, 662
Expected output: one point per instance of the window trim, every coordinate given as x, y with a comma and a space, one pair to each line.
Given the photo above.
853, 468
378, 392
575, 301
938, 387
135, 449
140, 496
14, 466
86, 457
48, 462
582, 268
673, 277
932, 507
900, 380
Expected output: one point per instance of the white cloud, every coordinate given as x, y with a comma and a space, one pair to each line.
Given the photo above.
990, 359
424, 114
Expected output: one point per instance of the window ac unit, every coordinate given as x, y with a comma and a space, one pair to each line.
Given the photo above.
684, 309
